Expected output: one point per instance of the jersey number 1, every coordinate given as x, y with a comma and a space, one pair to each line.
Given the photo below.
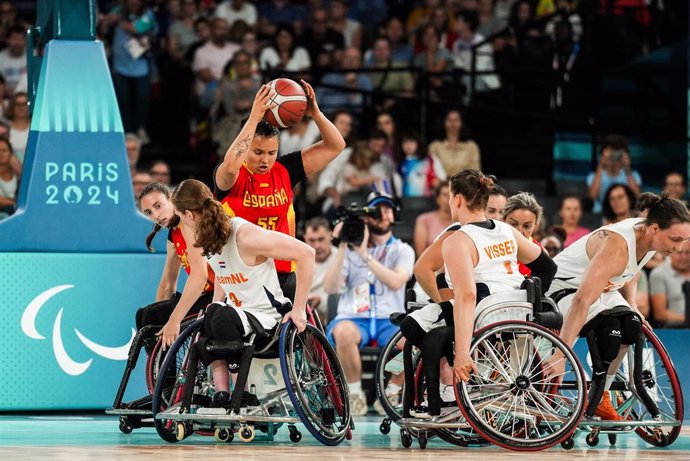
509, 267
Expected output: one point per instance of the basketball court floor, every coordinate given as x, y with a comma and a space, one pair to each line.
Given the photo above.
96, 437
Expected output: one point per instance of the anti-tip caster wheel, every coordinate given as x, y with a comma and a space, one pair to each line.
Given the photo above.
295, 435
125, 427
385, 426
247, 433
405, 438
223, 435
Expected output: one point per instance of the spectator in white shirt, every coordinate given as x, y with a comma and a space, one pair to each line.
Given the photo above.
284, 54
13, 58
317, 234
210, 60
233, 10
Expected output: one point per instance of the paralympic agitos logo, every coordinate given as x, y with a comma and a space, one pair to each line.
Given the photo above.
66, 363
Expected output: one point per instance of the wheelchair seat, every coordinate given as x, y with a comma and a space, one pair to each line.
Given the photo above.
504, 305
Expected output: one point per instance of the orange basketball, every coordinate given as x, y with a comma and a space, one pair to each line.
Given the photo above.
291, 100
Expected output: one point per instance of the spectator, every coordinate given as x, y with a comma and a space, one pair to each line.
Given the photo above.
666, 282
182, 33
324, 44
133, 147
453, 152
390, 78
9, 180
233, 10
619, 204
489, 23
160, 172
275, 12
349, 28
140, 179
387, 124
429, 225
235, 96
202, 29
570, 212
401, 51
4, 100
443, 21
566, 12
299, 136
498, 197
466, 27
211, 59
328, 179
675, 185
363, 170
284, 54
13, 58
433, 58
416, 169
251, 45
135, 28
352, 101
317, 234
421, 15
372, 276
20, 122
614, 168
552, 241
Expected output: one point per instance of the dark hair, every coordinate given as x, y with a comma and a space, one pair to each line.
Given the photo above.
498, 190
174, 221
683, 179
474, 185
6, 140
471, 18
439, 187
287, 27
263, 129
615, 142
422, 30
569, 197
317, 222
213, 230
17, 29
606, 209
378, 134
662, 210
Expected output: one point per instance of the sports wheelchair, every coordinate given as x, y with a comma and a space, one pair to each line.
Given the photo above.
646, 393
510, 402
311, 387
137, 413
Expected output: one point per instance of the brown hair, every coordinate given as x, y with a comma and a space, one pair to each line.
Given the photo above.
172, 223
662, 210
213, 230
474, 185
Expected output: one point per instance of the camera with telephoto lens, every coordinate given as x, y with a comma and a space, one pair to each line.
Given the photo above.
353, 222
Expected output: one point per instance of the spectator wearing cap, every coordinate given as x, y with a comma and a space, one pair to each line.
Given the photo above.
371, 277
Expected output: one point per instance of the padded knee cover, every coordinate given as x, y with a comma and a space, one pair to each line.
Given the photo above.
412, 331
606, 338
631, 328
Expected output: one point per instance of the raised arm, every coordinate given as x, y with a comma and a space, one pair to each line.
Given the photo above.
227, 171
256, 244
318, 155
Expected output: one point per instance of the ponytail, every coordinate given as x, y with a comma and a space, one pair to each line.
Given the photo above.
172, 223
662, 210
474, 185
213, 230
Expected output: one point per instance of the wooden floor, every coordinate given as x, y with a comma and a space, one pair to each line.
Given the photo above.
98, 438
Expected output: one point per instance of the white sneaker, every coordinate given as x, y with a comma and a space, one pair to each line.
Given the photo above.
358, 404
420, 412
447, 393
393, 400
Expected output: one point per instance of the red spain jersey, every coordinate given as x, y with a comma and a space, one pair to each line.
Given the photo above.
175, 236
266, 199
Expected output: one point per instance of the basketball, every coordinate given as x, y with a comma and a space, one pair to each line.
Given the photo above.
291, 103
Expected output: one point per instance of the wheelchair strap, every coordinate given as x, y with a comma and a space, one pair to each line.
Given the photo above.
560, 294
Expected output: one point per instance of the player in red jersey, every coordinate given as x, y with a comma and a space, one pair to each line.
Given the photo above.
172, 307
253, 183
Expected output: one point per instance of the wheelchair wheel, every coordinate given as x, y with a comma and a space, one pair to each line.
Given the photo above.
170, 385
661, 382
155, 360
389, 365
315, 382
510, 402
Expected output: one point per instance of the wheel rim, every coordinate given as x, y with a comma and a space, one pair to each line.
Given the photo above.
510, 402
319, 384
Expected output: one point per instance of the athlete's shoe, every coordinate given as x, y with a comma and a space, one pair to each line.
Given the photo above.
358, 404
605, 410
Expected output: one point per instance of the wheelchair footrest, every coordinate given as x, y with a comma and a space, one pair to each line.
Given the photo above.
128, 412
628, 424
210, 415
437, 424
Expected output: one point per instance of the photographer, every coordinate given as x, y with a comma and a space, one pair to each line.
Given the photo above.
371, 269
614, 168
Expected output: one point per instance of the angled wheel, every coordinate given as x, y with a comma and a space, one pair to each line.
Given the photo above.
511, 402
660, 381
315, 382
170, 386
390, 367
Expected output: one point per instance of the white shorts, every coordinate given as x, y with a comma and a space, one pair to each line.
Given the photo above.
606, 301
429, 317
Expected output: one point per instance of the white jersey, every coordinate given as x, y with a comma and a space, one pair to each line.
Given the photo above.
497, 267
247, 288
573, 261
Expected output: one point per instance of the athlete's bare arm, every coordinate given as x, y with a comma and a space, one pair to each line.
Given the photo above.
429, 262
317, 156
227, 172
171, 272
